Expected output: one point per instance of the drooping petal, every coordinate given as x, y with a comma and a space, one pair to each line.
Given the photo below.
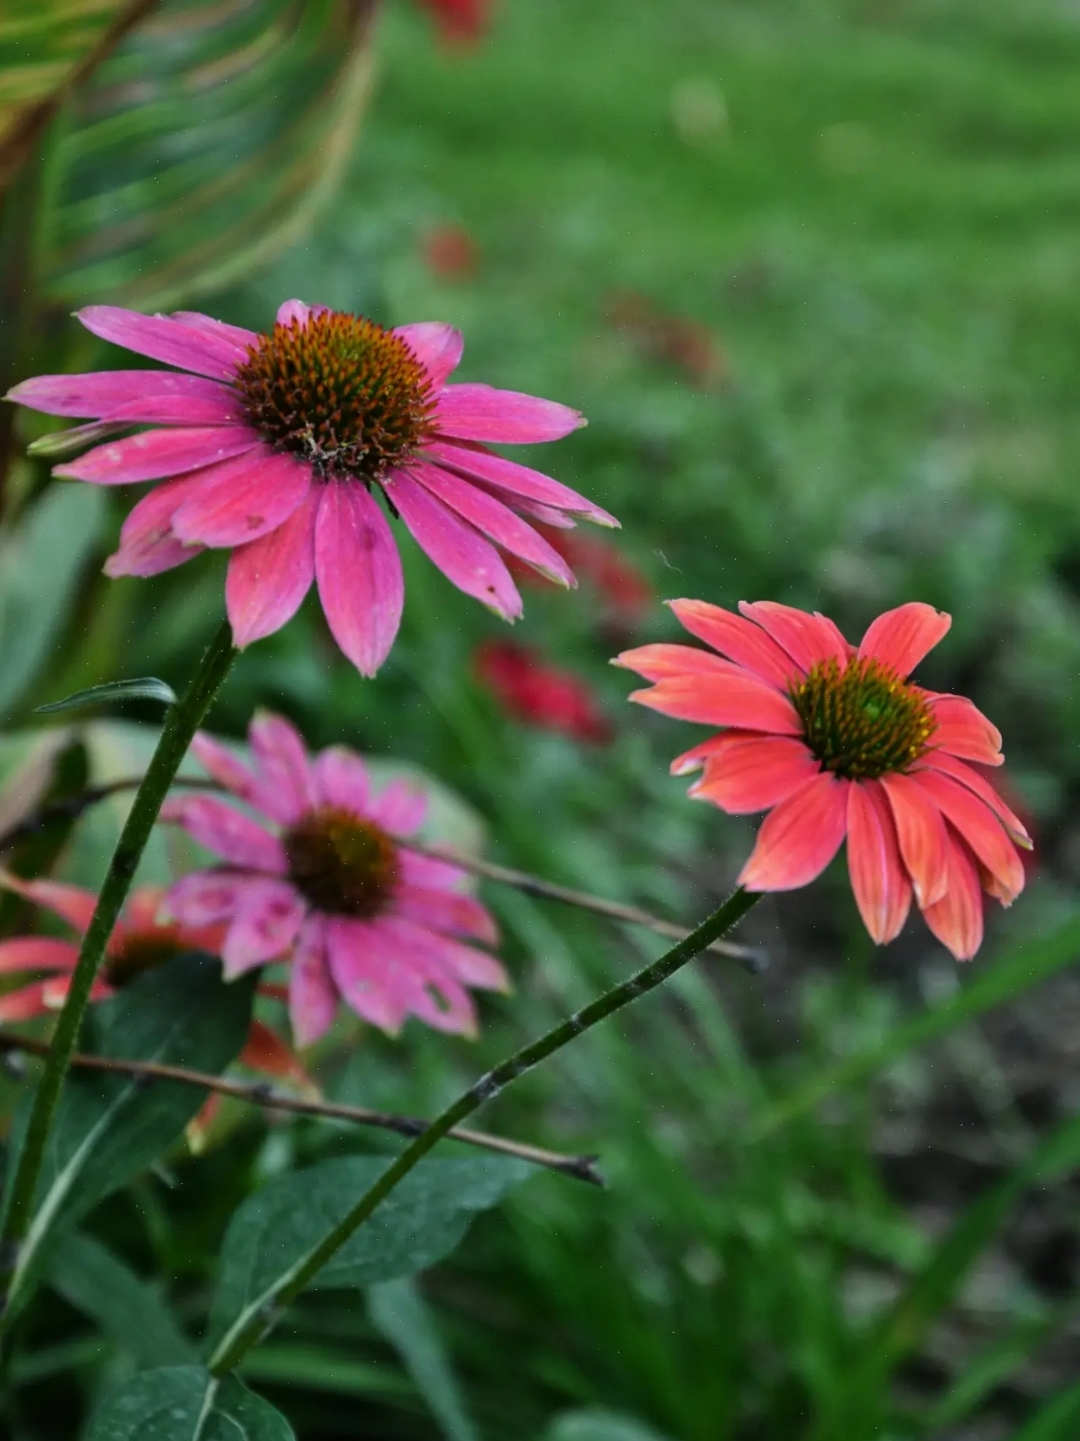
516, 480
204, 898
233, 335
399, 808
755, 773
268, 578
164, 339
880, 883
313, 996
149, 395
902, 637
265, 925
227, 832
449, 911
806, 639
341, 779
220, 763
743, 702
493, 519
283, 765
72, 903
373, 977
463, 963
241, 499
147, 544
359, 574
506, 417
948, 764
920, 831
738, 639
957, 918
462, 554
662, 661
799, 838
36, 953
964, 731
436, 345
156, 454
979, 826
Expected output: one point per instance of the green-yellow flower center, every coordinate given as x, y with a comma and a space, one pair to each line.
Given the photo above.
338, 390
863, 721
343, 865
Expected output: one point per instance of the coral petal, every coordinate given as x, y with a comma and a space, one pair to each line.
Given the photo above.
900, 638
480, 412
737, 639
156, 454
661, 661
957, 918
880, 883
268, 578
164, 339
436, 345
75, 905
806, 638
920, 831
979, 826
754, 773
959, 771
359, 574
964, 731
738, 701
36, 953
799, 838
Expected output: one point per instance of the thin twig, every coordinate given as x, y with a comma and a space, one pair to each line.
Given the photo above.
583, 1168
71, 807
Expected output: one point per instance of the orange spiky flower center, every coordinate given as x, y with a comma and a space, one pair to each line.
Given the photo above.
339, 391
343, 865
862, 721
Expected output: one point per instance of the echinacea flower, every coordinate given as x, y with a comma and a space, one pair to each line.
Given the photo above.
140, 941
540, 694
330, 886
835, 741
276, 446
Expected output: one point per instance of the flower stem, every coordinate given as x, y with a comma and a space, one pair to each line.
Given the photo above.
181, 723
252, 1327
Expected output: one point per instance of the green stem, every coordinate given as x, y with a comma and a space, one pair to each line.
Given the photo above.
254, 1325
181, 723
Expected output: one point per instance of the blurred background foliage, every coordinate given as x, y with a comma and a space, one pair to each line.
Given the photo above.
812, 271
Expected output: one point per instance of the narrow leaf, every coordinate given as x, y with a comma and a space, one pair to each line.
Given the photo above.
403, 1316
145, 688
1057, 1419
185, 1403
599, 1426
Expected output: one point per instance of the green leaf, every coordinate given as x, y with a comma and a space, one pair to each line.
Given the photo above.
1025, 966
53, 543
599, 1426
128, 1310
420, 1222
108, 1128
1057, 1419
186, 1403
145, 688
403, 1316
149, 208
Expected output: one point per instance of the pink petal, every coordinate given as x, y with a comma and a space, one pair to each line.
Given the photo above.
220, 763
147, 544
36, 953
806, 639
743, 702
428, 871
842, 646
169, 341
436, 345
313, 997
75, 905
755, 774
282, 761
920, 831
147, 395
155, 454
957, 918
461, 553
516, 480
480, 412
878, 879
368, 969
297, 311
556, 518
426, 970
205, 898
799, 838
950, 766
746, 644
662, 661
268, 578
227, 832
264, 927
964, 731
493, 519
341, 779
461, 963
457, 915
900, 638
359, 574
234, 335
242, 499
399, 808
979, 826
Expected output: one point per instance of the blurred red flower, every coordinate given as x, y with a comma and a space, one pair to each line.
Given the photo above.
688, 345
459, 20
450, 252
542, 695
624, 591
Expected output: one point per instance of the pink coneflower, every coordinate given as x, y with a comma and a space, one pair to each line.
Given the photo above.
329, 885
540, 694
835, 741
277, 445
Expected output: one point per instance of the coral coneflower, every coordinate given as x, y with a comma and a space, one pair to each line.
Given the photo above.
275, 447
835, 741
331, 887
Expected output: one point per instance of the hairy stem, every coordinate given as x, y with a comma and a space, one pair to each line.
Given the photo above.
251, 1328
181, 723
